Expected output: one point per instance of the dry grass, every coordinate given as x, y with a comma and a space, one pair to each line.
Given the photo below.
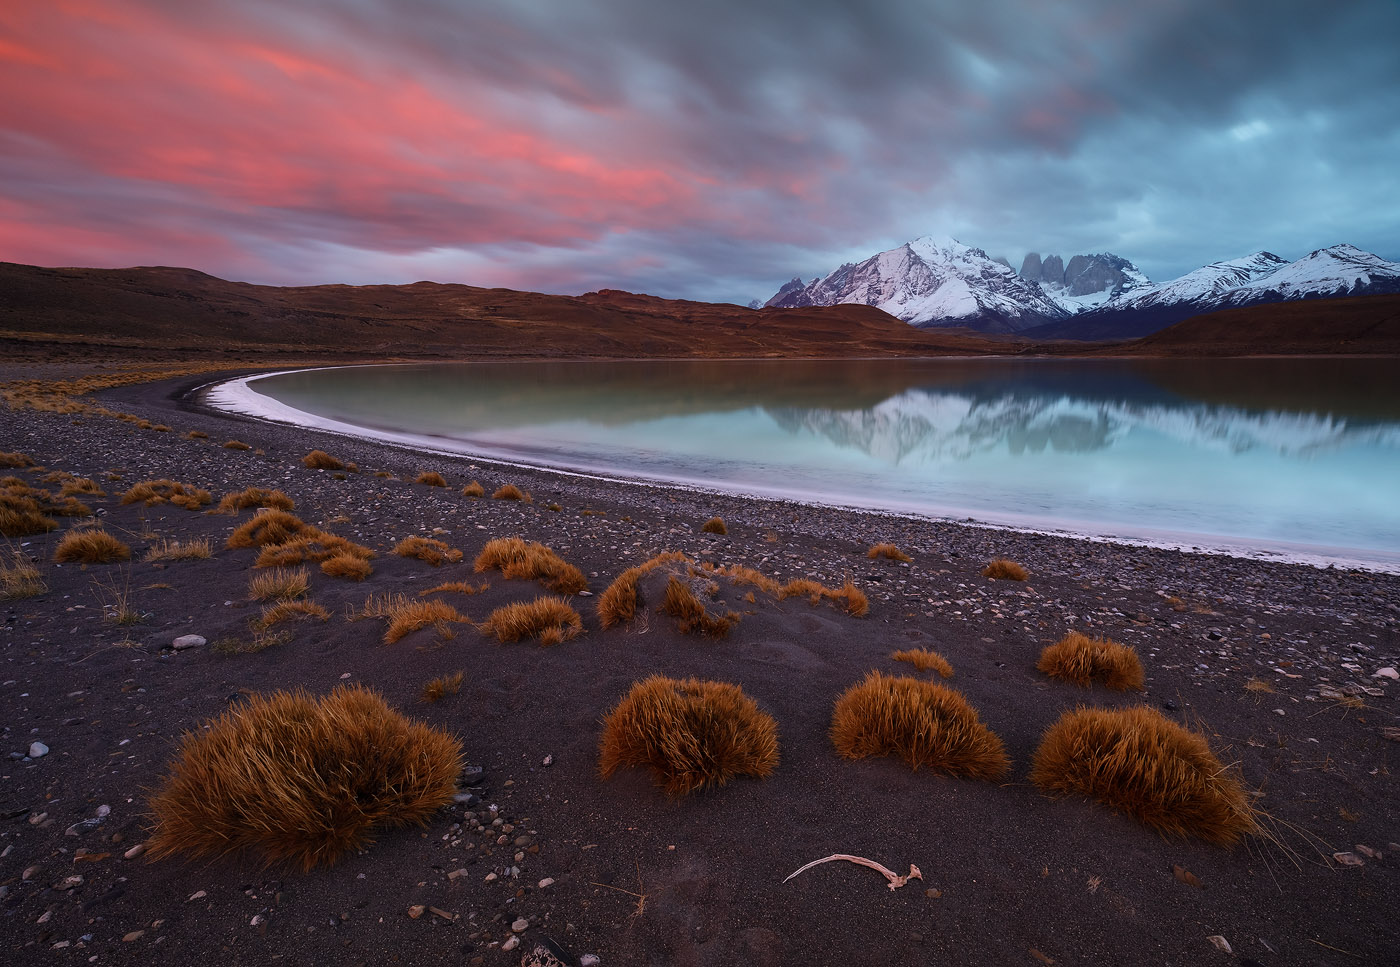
196, 435
1258, 686
236, 445
258, 641
407, 615
9, 458
474, 489
255, 497
442, 686
1005, 570
19, 577
740, 574
925, 659
152, 492
1082, 660
90, 546
281, 611
923, 723
1140, 762
715, 525
279, 585
853, 600
321, 460
888, 551
81, 485
511, 492
116, 600
548, 619
195, 549
21, 516
315, 546
268, 527
517, 559
460, 587
619, 602
431, 478
301, 780
690, 733
427, 549
345, 564
682, 603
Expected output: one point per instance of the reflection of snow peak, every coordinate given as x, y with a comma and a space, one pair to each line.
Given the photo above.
932, 426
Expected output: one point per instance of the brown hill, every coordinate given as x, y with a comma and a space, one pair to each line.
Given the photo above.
182, 312
1366, 325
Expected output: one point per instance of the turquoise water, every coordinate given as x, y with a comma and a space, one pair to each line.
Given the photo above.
1292, 456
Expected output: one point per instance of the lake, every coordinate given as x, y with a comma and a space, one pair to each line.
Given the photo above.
1299, 457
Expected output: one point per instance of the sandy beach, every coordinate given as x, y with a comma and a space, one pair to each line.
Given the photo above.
614, 868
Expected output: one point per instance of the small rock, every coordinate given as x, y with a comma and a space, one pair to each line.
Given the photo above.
1368, 852
457, 874
520, 926
38, 818
38, 750
199, 895
1348, 859
134, 935
548, 881
416, 911
69, 882
1221, 944
258, 920
1386, 672
589, 960
473, 775
188, 641
511, 943
85, 826
104, 811
135, 851
1279, 711
491, 877
548, 761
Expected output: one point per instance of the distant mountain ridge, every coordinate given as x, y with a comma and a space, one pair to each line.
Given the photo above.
931, 282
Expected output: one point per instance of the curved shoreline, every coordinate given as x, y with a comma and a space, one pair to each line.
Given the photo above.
234, 395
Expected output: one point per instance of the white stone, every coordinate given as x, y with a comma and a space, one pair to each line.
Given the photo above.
1386, 672
548, 881
520, 926
511, 943
589, 960
37, 750
1221, 944
188, 641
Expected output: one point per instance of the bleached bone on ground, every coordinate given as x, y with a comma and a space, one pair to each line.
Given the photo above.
896, 881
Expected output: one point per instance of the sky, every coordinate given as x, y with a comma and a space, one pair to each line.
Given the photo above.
705, 150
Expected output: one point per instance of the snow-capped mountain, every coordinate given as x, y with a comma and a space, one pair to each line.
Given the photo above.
932, 281
942, 282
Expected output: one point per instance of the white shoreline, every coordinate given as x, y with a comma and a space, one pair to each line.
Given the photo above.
237, 396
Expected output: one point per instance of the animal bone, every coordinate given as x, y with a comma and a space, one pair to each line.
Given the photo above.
896, 881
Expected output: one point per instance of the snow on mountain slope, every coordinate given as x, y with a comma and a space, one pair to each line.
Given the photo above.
1338, 270
1209, 282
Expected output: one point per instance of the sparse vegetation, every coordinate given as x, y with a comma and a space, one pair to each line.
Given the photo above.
1139, 762
279, 585
460, 587
852, 598
715, 525
925, 659
255, 497
152, 492
682, 603
195, 549
511, 492
236, 445
90, 546
474, 489
267, 527
19, 577
407, 615
321, 460
548, 619
345, 564
1002, 569
15, 459
287, 610
301, 780
888, 551
431, 478
1082, 660
81, 485
740, 574
1258, 686
256, 642
196, 435
619, 602
923, 723
442, 686
692, 734
427, 549
517, 559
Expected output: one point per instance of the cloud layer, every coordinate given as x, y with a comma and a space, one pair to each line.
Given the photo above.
703, 151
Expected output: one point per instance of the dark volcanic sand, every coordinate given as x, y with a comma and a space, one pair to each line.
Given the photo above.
1010, 876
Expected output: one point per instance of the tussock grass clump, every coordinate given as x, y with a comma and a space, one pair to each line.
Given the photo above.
21, 516
511, 492
287, 540
258, 641
888, 551
740, 574
286, 610
715, 525
321, 460
9, 458
279, 585
301, 780
267, 527
1139, 762
1005, 570
81, 485
442, 686
407, 615
195, 549
682, 603
460, 587
255, 497
474, 489
314, 546
923, 723
852, 599
427, 549
345, 564
619, 602
196, 435
925, 659
236, 445
19, 577
1082, 660
517, 559
90, 546
431, 478
548, 619
1259, 686
690, 733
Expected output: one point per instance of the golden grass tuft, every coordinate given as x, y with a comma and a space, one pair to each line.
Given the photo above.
1139, 762
715, 525
22, 516
258, 641
548, 619
460, 587
321, 460
255, 497
442, 686
195, 549
619, 602
511, 492
1259, 686
691, 734
267, 527
236, 445
90, 546
474, 489
853, 600
9, 458
315, 546
888, 551
1005, 570
682, 603
923, 723
287, 610
740, 574
427, 549
279, 585
431, 478
301, 780
517, 559
19, 577
152, 492
1082, 660
196, 435
925, 659
345, 564
407, 615
81, 485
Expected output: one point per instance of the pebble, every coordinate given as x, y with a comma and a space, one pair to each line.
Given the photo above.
511, 943
589, 960
1221, 944
416, 911
520, 926
199, 895
1348, 859
38, 750
1386, 672
135, 851
134, 935
548, 881
188, 641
